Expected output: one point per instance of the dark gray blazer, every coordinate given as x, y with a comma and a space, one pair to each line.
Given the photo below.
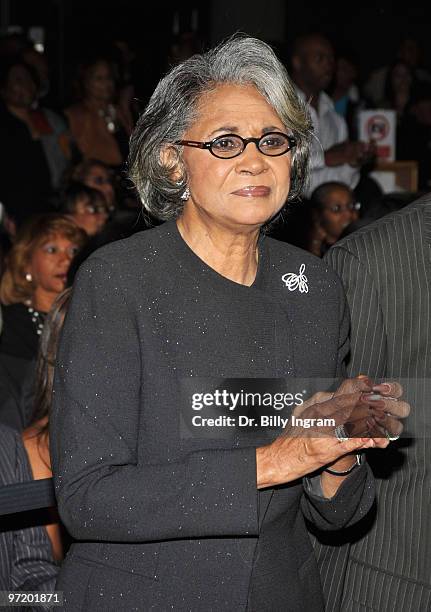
165, 521
26, 562
386, 271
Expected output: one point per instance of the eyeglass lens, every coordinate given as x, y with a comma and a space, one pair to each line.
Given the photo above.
96, 210
338, 208
231, 145
101, 180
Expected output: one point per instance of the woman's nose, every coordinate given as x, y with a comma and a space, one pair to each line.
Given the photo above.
251, 160
65, 256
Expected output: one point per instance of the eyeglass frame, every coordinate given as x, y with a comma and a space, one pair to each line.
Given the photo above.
208, 145
100, 180
97, 209
354, 206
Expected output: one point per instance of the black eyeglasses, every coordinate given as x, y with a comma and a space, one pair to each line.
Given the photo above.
227, 146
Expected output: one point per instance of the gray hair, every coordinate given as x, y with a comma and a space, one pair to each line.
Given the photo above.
173, 108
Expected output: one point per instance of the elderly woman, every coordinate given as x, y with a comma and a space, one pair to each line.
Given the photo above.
167, 517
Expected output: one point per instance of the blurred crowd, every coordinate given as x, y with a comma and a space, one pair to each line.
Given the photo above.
64, 190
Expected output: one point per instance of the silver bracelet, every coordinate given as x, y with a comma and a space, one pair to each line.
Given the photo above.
359, 461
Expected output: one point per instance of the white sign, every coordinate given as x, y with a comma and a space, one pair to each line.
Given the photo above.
380, 126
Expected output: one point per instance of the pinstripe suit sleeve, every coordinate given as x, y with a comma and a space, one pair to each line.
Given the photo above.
344, 337
368, 337
30, 561
368, 356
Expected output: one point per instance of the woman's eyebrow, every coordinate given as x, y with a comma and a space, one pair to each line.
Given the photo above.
233, 129
226, 129
271, 128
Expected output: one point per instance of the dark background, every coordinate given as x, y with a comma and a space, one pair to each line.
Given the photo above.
371, 32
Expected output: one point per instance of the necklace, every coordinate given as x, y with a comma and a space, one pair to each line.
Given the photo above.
37, 317
109, 116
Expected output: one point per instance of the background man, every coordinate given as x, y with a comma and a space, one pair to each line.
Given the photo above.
334, 157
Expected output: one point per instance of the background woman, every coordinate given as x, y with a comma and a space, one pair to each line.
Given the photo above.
35, 274
168, 518
99, 126
36, 436
35, 144
332, 208
86, 206
97, 175
399, 85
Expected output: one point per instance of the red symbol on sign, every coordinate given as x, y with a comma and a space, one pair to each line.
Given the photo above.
377, 127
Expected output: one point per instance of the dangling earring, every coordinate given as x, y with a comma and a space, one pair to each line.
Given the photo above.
185, 196
28, 277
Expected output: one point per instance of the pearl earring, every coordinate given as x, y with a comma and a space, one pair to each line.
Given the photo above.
186, 194
28, 277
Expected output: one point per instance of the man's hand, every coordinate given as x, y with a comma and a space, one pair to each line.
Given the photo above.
350, 152
368, 413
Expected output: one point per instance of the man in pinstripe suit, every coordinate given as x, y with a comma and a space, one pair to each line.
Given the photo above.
386, 271
26, 561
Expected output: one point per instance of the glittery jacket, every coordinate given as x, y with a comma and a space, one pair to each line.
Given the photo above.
164, 521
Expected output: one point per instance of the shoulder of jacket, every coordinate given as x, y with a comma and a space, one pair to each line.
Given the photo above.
285, 255
410, 217
128, 252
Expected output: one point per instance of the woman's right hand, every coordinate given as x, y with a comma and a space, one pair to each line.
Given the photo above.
299, 451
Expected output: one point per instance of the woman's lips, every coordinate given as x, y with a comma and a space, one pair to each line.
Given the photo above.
258, 191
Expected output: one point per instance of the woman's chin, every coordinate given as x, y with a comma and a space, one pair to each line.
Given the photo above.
58, 286
253, 217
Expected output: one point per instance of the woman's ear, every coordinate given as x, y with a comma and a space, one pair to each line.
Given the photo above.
169, 159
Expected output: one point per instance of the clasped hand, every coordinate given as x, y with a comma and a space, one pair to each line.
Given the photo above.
370, 415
